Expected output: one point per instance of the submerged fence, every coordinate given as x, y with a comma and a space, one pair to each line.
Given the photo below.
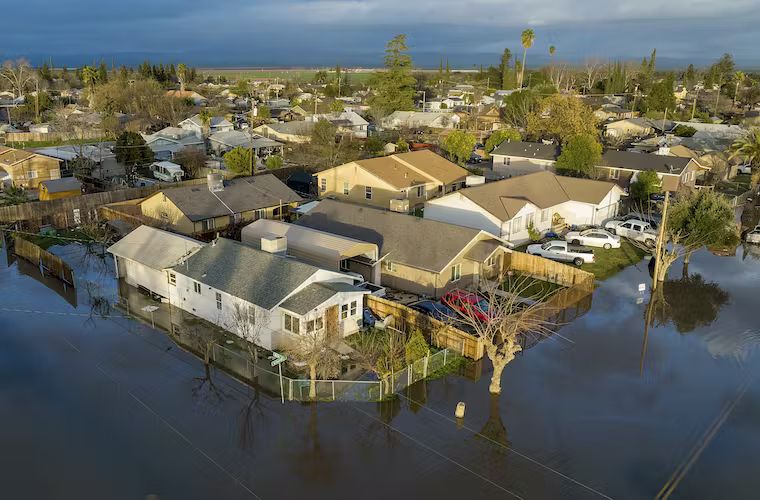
49, 262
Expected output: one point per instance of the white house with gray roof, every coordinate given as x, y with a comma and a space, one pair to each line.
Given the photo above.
216, 124
169, 141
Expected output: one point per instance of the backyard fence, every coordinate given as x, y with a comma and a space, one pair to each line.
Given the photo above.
47, 261
440, 334
549, 270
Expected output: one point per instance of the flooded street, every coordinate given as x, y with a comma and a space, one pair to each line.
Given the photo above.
107, 407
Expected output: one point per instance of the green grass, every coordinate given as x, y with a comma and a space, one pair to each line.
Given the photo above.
60, 238
59, 142
736, 186
611, 262
530, 287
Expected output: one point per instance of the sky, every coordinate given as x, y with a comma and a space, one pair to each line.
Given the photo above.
272, 33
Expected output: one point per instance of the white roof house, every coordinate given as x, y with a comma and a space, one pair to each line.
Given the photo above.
418, 119
222, 142
346, 121
169, 141
216, 124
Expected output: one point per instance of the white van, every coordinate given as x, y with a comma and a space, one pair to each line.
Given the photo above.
167, 171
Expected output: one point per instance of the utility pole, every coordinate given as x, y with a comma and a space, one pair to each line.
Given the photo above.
660, 242
694, 105
254, 112
635, 97
664, 116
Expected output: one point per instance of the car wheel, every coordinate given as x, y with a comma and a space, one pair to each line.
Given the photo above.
607, 246
576, 242
578, 261
649, 243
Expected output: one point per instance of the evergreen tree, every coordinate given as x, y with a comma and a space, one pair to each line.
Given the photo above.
102, 73
505, 71
394, 87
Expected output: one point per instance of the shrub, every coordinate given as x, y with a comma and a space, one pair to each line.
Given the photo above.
416, 347
533, 233
273, 162
684, 131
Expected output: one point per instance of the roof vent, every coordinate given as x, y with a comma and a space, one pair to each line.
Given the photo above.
277, 245
215, 182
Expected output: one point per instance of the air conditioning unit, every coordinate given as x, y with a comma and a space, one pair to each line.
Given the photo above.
274, 244
400, 205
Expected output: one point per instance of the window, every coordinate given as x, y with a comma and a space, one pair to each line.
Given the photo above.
456, 272
259, 214
77, 216
208, 225
291, 323
32, 174
252, 315
614, 173
509, 161
368, 192
219, 301
353, 308
544, 215
390, 266
420, 191
55, 173
310, 326
197, 287
323, 184
276, 211
345, 188
172, 279
344, 311
529, 220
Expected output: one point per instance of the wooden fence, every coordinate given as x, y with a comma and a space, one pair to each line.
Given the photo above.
438, 333
51, 263
549, 270
16, 137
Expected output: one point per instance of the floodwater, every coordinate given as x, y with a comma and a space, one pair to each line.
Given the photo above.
107, 407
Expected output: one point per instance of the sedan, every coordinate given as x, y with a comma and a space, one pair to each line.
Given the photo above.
594, 238
435, 310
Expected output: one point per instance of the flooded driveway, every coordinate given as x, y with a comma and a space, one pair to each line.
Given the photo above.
107, 407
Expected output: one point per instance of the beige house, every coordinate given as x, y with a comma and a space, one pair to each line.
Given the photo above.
401, 181
629, 127
623, 167
27, 169
202, 210
420, 256
295, 131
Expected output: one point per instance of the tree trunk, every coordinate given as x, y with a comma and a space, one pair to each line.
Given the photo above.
313, 383
687, 257
522, 68
498, 368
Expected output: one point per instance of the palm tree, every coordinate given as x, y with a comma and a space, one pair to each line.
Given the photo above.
527, 37
747, 149
90, 78
205, 117
552, 50
739, 76
182, 76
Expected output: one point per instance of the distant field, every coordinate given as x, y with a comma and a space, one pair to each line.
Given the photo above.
296, 75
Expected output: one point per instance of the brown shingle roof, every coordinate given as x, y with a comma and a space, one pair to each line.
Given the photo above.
505, 198
436, 166
413, 169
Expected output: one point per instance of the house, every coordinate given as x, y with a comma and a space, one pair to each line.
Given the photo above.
711, 137
519, 158
610, 111
288, 298
27, 169
319, 248
623, 167
295, 131
420, 256
633, 127
488, 118
419, 119
104, 164
348, 122
213, 281
283, 114
223, 142
406, 179
190, 95
143, 257
204, 209
66, 187
543, 200
167, 142
216, 124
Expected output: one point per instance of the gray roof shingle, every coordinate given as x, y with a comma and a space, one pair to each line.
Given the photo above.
240, 195
644, 161
314, 295
255, 276
537, 150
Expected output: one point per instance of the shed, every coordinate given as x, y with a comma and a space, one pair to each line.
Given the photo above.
60, 188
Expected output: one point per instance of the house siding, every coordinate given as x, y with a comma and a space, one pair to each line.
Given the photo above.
518, 165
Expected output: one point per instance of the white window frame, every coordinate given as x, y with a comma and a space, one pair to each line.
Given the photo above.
55, 173
172, 279
367, 192
390, 266
421, 191
208, 224
456, 272
197, 287
614, 173
291, 323
517, 224
343, 311
353, 309
323, 185
545, 215
31, 174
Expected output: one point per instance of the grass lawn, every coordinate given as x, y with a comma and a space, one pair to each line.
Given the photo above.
610, 262
736, 186
61, 238
530, 287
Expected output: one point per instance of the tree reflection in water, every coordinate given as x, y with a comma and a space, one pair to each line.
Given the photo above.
689, 302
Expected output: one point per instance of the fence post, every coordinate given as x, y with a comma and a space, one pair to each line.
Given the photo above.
409, 374
333, 389
444, 356
425, 369
290, 390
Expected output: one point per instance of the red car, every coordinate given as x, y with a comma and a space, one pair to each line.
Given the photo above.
467, 303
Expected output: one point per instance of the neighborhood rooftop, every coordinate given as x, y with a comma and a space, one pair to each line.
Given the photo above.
537, 150
643, 161
154, 248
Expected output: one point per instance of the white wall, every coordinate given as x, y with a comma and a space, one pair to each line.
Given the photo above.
137, 275
514, 166
460, 210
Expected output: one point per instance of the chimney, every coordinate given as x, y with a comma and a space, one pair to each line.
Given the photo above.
215, 182
274, 244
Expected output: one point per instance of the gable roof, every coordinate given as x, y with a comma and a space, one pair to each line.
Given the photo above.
504, 199
216, 121
154, 248
12, 156
239, 195
314, 295
173, 134
536, 150
290, 128
412, 241
229, 266
235, 138
644, 161
184, 94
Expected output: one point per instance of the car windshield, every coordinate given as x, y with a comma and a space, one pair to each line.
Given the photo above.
546, 245
586, 232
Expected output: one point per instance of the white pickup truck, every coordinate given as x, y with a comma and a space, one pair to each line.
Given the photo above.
633, 229
563, 252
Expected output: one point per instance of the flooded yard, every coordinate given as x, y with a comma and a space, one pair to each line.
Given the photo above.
96, 405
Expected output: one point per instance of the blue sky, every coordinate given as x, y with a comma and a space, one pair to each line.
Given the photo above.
353, 32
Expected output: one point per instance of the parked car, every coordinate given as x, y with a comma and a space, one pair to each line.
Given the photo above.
753, 236
562, 251
467, 303
651, 219
633, 229
744, 169
435, 310
593, 238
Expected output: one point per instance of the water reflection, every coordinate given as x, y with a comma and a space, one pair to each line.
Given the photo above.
690, 302
494, 428
61, 288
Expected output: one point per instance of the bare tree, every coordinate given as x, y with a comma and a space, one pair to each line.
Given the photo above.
592, 69
248, 323
316, 350
510, 314
18, 74
381, 352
